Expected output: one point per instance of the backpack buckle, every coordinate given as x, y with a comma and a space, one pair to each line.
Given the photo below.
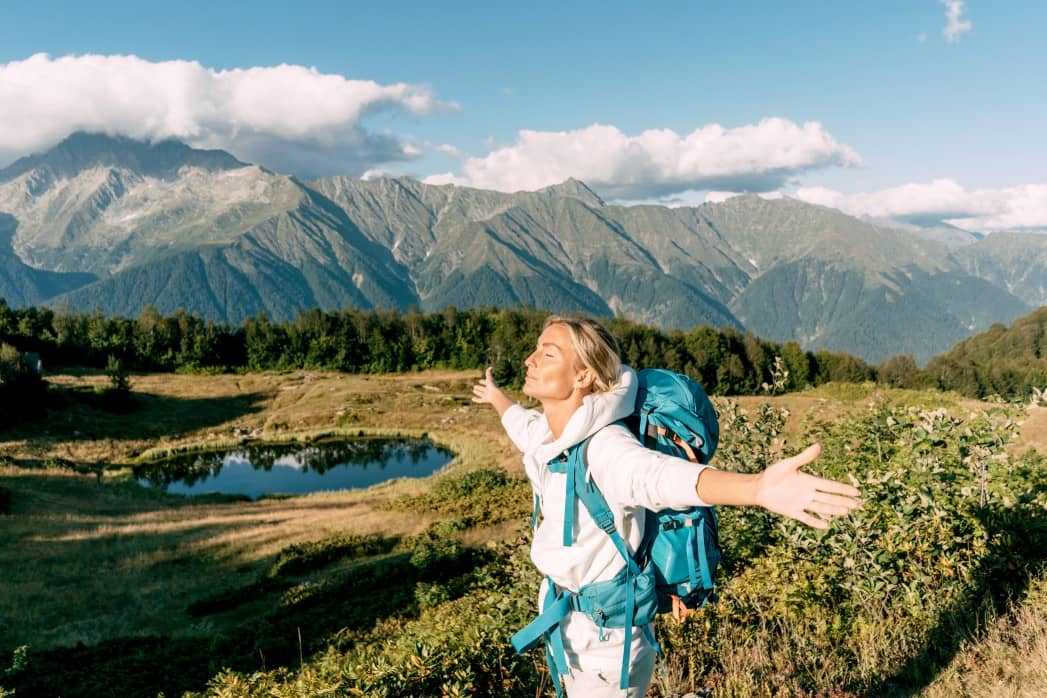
606, 522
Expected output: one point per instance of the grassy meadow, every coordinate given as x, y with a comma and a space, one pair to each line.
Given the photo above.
935, 587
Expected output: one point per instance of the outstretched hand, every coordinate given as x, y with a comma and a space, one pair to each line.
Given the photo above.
488, 391
784, 489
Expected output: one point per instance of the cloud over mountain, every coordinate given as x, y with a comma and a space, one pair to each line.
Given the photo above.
288, 117
658, 162
982, 210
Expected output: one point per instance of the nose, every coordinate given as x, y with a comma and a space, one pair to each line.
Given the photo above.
529, 361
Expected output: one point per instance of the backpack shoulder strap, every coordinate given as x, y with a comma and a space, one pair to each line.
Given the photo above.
584, 487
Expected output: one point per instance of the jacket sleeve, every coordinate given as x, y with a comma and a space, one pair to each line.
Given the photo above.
633, 475
524, 427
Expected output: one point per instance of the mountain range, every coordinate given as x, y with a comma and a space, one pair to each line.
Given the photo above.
116, 224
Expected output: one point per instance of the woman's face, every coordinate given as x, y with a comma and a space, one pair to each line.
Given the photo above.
551, 372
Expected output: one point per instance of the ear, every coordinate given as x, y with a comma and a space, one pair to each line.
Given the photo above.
584, 379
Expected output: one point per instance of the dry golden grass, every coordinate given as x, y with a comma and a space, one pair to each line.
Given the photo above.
84, 561
1034, 429
1009, 658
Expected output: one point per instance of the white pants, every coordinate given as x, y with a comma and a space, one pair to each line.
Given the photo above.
592, 684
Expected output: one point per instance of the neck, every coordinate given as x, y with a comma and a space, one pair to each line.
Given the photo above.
559, 412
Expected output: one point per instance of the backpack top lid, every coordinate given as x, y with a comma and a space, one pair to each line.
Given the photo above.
680, 404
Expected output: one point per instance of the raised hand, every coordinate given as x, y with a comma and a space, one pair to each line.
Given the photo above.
483, 390
487, 391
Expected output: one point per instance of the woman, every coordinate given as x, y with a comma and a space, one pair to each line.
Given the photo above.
576, 375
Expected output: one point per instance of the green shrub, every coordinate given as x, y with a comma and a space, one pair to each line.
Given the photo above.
950, 527
428, 595
749, 443
456, 647
477, 498
438, 553
306, 557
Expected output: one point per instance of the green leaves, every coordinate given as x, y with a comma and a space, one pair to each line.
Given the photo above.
942, 519
481, 497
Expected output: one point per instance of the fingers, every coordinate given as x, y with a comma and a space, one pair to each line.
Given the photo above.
848, 502
814, 522
826, 509
485, 384
835, 487
808, 455
821, 484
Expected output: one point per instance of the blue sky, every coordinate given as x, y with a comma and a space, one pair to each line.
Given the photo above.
907, 108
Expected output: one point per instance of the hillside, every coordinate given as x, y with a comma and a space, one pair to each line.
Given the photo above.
1008, 361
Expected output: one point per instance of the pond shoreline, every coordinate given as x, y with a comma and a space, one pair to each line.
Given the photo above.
295, 468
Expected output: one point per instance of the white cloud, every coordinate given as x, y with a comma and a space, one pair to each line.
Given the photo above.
446, 178
449, 150
921, 37
955, 27
659, 163
983, 210
261, 114
716, 197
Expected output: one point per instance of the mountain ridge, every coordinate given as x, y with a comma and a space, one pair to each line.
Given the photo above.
176, 227
81, 150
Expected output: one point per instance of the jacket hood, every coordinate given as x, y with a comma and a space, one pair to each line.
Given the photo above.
596, 411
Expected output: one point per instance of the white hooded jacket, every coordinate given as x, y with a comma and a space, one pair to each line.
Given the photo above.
631, 478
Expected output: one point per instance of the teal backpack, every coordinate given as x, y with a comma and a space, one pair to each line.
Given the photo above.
676, 562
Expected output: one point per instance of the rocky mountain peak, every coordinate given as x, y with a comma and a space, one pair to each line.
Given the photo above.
83, 151
575, 189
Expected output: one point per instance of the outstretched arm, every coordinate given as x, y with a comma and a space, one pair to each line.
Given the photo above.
487, 391
783, 489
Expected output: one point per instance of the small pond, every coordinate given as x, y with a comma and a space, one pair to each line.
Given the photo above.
295, 468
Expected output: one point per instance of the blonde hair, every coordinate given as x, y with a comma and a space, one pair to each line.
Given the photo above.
595, 347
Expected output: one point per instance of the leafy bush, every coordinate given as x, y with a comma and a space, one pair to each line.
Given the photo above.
748, 444
5, 501
876, 601
476, 498
306, 557
455, 648
428, 595
437, 552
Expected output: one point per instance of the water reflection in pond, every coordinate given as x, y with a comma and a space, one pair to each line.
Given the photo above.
296, 469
